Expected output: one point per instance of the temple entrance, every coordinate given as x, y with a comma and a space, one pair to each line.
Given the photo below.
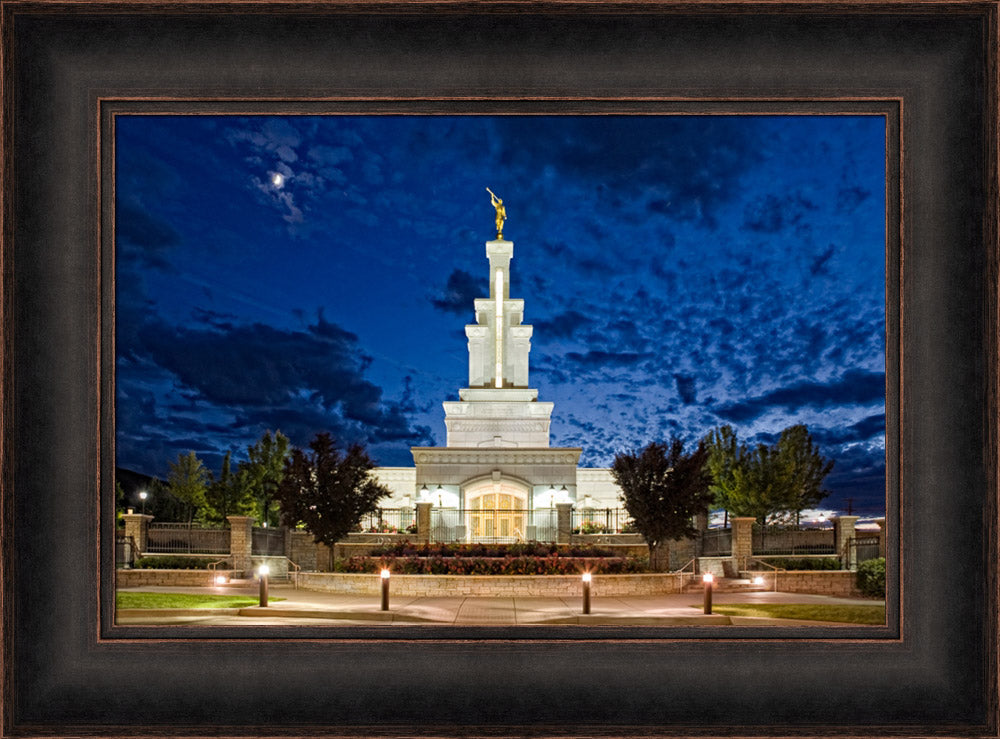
496, 512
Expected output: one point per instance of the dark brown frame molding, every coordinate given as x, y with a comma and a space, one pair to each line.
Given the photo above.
69, 68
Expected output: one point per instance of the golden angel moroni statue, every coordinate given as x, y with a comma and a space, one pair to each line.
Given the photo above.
501, 213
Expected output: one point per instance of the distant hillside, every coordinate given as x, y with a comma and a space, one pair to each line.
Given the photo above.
132, 481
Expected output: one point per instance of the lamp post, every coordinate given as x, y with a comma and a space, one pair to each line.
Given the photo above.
385, 589
262, 572
586, 592
708, 579
142, 496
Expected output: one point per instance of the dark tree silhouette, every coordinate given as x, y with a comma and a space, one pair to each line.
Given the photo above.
663, 489
326, 491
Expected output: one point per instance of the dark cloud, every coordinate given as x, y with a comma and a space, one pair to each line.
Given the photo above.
771, 213
849, 198
686, 388
142, 236
561, 326
818, 266
596, 359
460, 292
854, 387
868, 428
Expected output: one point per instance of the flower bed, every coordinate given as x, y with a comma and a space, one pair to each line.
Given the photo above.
523, 549
438, 565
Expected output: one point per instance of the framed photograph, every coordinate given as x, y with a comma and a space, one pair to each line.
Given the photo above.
97, 96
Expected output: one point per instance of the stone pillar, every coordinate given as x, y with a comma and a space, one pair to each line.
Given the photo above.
241, 542
564, 522
742, 542
424, 522
881, 537
843, 532
137, 526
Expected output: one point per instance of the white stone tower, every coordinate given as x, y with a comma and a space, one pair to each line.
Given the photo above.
498, 409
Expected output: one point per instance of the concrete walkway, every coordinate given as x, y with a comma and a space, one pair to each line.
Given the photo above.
312, 607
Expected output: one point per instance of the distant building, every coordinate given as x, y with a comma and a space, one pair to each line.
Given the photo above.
497, 457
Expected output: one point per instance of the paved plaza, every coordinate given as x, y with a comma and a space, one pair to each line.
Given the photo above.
311, 607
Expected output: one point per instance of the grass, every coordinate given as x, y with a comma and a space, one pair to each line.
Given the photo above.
851, 614
184, 600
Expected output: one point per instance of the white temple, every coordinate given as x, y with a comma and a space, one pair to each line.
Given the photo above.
497, 455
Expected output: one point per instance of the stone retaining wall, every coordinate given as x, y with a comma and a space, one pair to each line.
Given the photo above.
176, 578
840, 583
495, 585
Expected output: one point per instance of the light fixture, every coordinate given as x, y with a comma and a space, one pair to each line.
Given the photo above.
586, 592
263, 571
385, 589
142, 496
424, 490
758, 580
707, 578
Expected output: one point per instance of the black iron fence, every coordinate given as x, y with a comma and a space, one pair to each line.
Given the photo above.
389, 521
864, 548
602, 521
717, 543
267, 542
792, 540
494, 526
182, 538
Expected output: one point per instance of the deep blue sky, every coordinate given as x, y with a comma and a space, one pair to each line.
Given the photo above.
316, 273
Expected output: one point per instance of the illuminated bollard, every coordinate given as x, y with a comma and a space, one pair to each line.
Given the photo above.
262, 573
586, 592
708, 580
385, 590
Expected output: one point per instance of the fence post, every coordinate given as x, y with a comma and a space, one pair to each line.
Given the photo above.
241, 542
424, 522
137, 526
881, 537
742, 542
701, 524
843, 533
564, 522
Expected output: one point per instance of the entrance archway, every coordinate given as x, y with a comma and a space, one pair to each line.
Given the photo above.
496, 511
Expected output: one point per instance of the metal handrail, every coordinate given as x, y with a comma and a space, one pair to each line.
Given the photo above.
773, 567
212, 566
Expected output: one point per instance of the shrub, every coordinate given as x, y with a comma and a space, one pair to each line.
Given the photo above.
457, 549
871, 577
521, 565
804, 563
172, 562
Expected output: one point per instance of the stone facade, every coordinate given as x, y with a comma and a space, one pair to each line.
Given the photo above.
505, 586
840, 583
175, 578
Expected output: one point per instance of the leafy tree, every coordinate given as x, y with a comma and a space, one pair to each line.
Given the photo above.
227, 494
662, 489
326, 491
766, 482
187, 481
803, 467
725, 455
261, 473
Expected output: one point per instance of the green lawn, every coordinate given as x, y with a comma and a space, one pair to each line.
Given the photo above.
184, 600
851, 614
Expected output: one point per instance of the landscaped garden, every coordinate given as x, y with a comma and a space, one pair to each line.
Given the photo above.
529, 558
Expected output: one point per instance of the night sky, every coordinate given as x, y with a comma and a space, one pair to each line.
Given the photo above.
316, 273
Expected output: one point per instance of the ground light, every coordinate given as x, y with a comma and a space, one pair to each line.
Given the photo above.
385, 590
262, 573
586, 592
758, 580
708, 579
221, 579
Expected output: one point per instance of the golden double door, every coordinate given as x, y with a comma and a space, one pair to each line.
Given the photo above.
496, 516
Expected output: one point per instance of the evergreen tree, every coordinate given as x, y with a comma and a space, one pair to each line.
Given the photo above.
227, 495
662, 490
326, 491
803, 467
187, 482
261, 473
